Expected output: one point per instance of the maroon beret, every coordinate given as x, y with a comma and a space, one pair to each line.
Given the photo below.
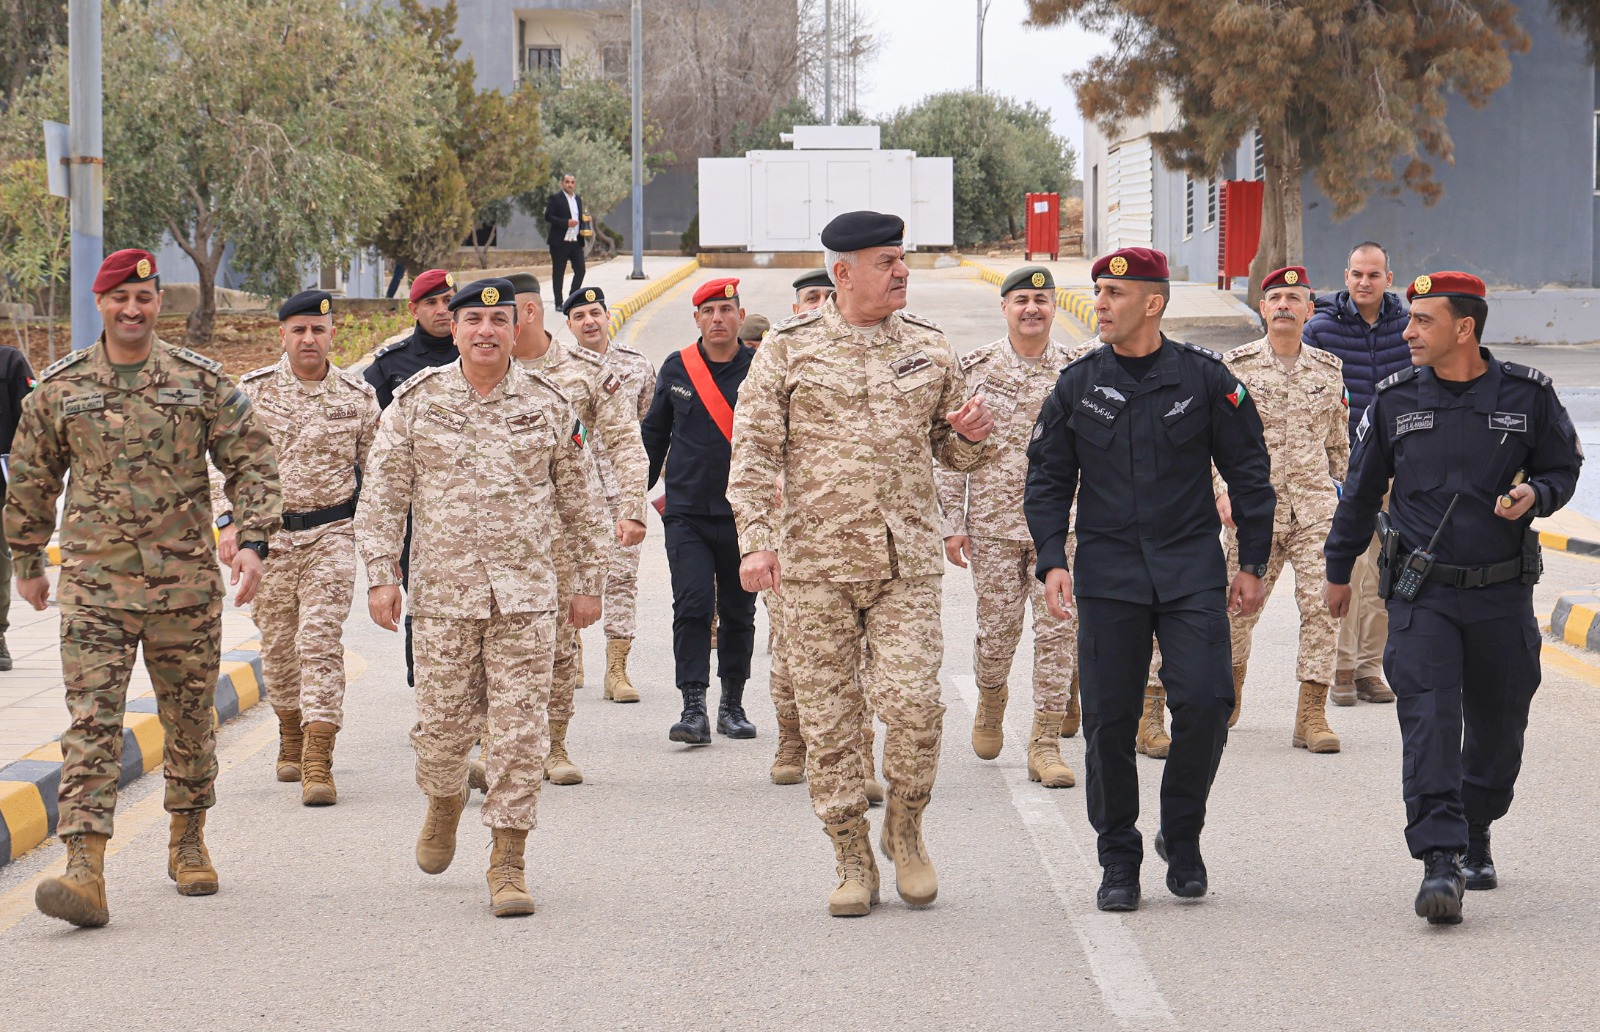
1133, 263
1288, 276
725, 288
434, 281
129, 265
1447, 284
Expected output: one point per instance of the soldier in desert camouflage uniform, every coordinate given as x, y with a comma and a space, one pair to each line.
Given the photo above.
133, 419
483, 455
1299, 392
983, 524
851, 404
633, 377
321, 420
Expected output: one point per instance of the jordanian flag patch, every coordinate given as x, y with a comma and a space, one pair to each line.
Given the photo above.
1237, 395
1346, 398
580, 433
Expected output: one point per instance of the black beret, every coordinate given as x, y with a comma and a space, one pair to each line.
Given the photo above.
523, 282
814, 278
858, 230
1029, 277
586, 296
484, 293
307, 302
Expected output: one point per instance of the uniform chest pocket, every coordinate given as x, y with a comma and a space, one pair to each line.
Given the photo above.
1094, 433
918, 392
1413, 471
1182, 426
826, 406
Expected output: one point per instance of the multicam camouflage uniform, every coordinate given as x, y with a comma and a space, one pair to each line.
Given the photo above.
986, 506
601, 404
139, 563
853, 419
487, 481
634, 378
1306, 418
320, 433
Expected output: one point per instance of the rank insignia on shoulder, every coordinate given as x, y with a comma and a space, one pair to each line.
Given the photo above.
1397, 378
972, 358
60, 364
1526, 373
256, 374
195, 358
1197, 349
917, 320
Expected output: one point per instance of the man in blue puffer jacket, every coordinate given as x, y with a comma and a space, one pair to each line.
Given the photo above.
1362, 324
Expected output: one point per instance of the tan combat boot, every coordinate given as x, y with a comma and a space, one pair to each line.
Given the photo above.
188, 860
1044, 753
436, 846
988, 723
1153, 740
1238, 693
903, 846
79, 895
291, 742
1344, 688
477, 777
558, 766
869, 769
316, 768
1311, 729
508, 889
1372, 689
618, 687
857, 891
1073, 718
789, 766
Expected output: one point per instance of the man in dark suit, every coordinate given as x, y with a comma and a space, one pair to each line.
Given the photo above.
564, 214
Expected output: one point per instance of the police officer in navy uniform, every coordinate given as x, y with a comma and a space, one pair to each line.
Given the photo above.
432, 343
1476, 448
1130, 432
702, 542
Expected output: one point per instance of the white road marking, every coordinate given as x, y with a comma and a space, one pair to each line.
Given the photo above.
1120, 971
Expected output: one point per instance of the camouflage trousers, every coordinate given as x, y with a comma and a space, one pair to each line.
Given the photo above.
1002, 574
622, 585
897, 621
300, 610
782, 685
488, 678
1301, 547
569, 644
182, 652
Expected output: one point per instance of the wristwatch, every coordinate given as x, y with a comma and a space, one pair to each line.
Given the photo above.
225, 520
1254, 569
258, 547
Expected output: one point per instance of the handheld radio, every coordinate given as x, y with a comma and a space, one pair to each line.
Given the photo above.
1415, 569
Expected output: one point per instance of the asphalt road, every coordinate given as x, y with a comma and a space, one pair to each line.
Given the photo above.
679, 889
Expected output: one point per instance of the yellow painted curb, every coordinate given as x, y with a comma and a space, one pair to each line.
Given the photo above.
26, 819
244, 682
50, 753
630, 306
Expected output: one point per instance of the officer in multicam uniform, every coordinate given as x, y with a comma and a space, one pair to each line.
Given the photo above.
482, 455
321, 420
633, 377
984, 525
851, 404
1299, 394
133, 419
601, 407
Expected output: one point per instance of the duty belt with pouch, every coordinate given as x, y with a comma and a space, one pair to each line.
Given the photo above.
320, 517
1526, 567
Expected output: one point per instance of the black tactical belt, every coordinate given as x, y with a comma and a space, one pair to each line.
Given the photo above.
319, 517
1476, 576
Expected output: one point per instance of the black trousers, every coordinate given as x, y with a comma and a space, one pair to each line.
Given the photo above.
703, 554
562, 253
1113, 663
1464, 664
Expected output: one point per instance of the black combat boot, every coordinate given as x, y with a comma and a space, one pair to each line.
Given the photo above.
5, 654
1439, 898
1479, 865
731, 720
1186, 871
1119, 888
692, 728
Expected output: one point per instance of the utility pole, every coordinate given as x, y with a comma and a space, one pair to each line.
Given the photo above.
983, 12
85, 166
827, 62
636, 73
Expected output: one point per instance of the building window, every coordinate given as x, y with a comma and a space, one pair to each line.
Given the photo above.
1188, 206
1259, 160
541, 62
614, 62
1211, 204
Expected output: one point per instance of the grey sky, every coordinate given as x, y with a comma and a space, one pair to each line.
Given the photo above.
930, 47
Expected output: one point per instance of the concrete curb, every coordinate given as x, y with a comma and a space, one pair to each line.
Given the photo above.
630, 306
1077, 303
1563, 543
29, 787
1573, 620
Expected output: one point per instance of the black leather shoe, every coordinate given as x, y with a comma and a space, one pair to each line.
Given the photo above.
1478, 868
1439, 898
692, 728
1119, 888
1186, 871
731, 720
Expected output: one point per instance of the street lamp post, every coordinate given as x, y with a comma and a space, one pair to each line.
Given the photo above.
983, 13
636, 73
85, 165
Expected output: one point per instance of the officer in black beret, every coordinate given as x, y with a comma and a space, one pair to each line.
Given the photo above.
307, 302
586, 296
